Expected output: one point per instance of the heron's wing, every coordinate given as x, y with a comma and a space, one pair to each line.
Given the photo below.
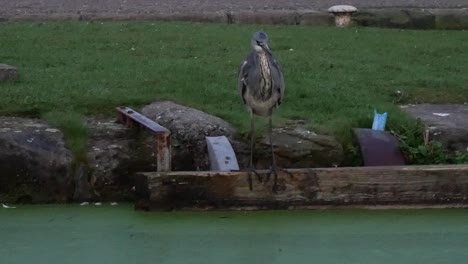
278, 79
241, 80
245, 68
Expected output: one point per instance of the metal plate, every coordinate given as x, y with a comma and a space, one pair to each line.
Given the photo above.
378, 148
221, 154
133, 116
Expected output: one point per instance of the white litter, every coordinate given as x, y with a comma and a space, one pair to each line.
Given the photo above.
441, 114
98, 203
7, 207
113, 203
84, 203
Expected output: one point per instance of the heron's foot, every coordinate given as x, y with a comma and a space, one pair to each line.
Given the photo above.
250, 172
274, 170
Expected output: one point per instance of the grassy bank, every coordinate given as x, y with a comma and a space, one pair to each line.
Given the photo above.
334, 77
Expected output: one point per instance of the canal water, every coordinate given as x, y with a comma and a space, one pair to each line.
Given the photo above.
117, 234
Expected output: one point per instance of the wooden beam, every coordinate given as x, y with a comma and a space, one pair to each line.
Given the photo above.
352, 186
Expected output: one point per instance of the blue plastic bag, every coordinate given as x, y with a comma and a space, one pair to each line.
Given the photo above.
379, 121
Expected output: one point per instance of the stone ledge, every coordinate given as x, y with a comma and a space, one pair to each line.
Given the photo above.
451, 18
447, 123
7, 72
396, 18
415, 18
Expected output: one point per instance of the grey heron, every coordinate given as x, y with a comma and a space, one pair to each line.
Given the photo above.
261, 87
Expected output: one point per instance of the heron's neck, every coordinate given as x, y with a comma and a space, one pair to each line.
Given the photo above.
265, 73
260, 50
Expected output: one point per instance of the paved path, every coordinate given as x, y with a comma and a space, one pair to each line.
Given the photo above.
13, 8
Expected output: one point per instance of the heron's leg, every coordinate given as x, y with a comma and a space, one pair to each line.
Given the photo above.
273, 160
252, 145
252, 141
274, 168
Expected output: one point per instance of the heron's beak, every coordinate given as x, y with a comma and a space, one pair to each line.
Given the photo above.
265, 47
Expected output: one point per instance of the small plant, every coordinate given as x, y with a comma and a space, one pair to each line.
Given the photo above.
418, 149
352, 156
432, 153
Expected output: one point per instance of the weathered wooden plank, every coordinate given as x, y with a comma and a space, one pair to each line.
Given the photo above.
357, 186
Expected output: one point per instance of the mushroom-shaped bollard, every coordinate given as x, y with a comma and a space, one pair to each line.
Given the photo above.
342, 14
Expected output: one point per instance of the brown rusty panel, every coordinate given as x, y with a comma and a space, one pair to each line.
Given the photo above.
129, 122
357, 187
121, 118
142, 120
378, 148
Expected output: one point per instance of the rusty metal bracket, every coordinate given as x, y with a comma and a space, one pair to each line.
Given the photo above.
132, 118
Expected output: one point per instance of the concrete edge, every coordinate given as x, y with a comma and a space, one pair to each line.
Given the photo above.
337, 207
415, 18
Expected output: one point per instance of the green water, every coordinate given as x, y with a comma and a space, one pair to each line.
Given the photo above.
117, 234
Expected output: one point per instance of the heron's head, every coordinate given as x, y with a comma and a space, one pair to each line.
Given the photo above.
260, 41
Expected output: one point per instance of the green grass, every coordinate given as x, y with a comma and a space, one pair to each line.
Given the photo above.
334, 77
72, 125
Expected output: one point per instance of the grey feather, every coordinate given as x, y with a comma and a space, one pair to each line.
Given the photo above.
261, 92
280, 81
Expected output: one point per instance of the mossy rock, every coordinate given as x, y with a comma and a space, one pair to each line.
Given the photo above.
451, 19
395, 18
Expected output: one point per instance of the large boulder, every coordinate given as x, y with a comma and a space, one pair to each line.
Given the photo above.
296, 146
114, 155
7, 72
188, 127
35, 165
